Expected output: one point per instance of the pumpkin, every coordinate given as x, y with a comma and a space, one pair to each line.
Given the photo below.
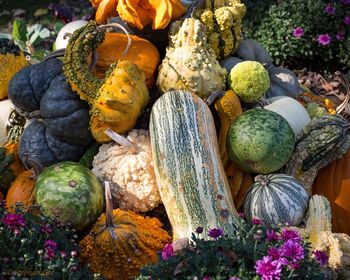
63, 35
12, 59
291, 110
143, 12
141, 52
189, 171
105, 10
260, 141
322, 141
190, 62
275, 199
283, 82
333, 181
116, 101
121, 242
70, 192
61, 128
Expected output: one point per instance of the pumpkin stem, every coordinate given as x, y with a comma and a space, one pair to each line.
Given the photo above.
213, 96
122, 141
55, 54
262, 179
35, 166
109, 209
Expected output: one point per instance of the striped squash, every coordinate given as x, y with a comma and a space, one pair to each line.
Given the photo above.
276, 198
190, 175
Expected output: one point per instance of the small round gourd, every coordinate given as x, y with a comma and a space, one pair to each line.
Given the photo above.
276, 198
62, 38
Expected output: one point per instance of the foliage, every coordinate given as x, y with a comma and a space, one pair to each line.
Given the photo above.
41, 248
243, 257
303, 31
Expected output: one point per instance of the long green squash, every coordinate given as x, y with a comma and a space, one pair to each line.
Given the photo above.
190, 175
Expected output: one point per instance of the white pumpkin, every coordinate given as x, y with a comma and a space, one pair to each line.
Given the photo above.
291, 110
62, 40
6, 107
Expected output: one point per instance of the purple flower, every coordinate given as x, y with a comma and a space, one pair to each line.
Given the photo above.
199, 230
167, 252
234, 278
63, 254
298, 32
293, 250
46, 229
289, 234
206, 278
271, 235
74, 253
50, 244
347, 20
324, 39
340, 36
256, 221
294, 266
241, 215
330, 9
345, 2
15, 222
216, 233
321, 257
274, 253
268, 269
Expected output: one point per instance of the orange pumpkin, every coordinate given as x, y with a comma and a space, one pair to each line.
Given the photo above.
1, 196
333, 182
141, 52
21, 190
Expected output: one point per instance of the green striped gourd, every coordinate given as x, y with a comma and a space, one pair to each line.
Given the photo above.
276, 198
188, 168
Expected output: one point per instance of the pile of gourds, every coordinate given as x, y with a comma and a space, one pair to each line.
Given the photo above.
220, 114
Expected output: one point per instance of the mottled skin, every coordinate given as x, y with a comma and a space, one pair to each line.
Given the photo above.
70, 192
260, 141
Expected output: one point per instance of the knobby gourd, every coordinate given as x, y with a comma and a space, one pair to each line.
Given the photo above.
322, 141
189, 171
121, 242
117, 100
190, 62
60, 129
12, 60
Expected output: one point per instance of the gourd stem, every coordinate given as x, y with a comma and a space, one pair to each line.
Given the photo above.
31, 163
109, 209
119, 139
262, 179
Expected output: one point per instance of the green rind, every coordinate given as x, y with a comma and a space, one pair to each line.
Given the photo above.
79, 205
260, 141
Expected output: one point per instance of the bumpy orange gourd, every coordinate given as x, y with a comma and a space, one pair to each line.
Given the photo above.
95, 3
141, 52
122, 242
333, 182
21, 190
105, 10
140, 13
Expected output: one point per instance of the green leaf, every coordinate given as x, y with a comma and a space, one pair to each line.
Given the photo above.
19, 32
40, 12
58, 26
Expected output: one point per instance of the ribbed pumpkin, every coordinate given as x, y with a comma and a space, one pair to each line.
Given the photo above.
276, 198
116, 101
21, 190
12, 59
333, 182
122, 242
141, 52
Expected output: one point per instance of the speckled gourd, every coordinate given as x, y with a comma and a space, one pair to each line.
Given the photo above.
116, 101
190, 63
322, 141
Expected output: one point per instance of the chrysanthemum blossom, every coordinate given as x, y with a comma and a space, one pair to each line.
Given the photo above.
298, 32
330, 9
268, 269
216, 233
340, 36
347, 20
14, 221
324, 39
289, 234
167, 252
292, 250
271, 235
321, 257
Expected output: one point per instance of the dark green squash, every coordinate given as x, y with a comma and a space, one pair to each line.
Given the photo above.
60, 130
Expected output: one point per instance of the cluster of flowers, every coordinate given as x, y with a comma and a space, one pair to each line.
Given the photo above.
330, 10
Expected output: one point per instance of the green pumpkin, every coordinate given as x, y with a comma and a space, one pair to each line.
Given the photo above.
260, 141
70, 192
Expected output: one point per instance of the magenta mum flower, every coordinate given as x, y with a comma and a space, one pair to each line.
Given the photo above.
14, 221
340, 36
321, 257
63, 254
234, 278
50, 244
216, 233
289, 234
241, 215
347, 20
330, 9
293, 250
167, 252
271, 235
268, 269
256, 221
274, 253
199, 230
298, 32
46, 229
324, 39
206, 278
